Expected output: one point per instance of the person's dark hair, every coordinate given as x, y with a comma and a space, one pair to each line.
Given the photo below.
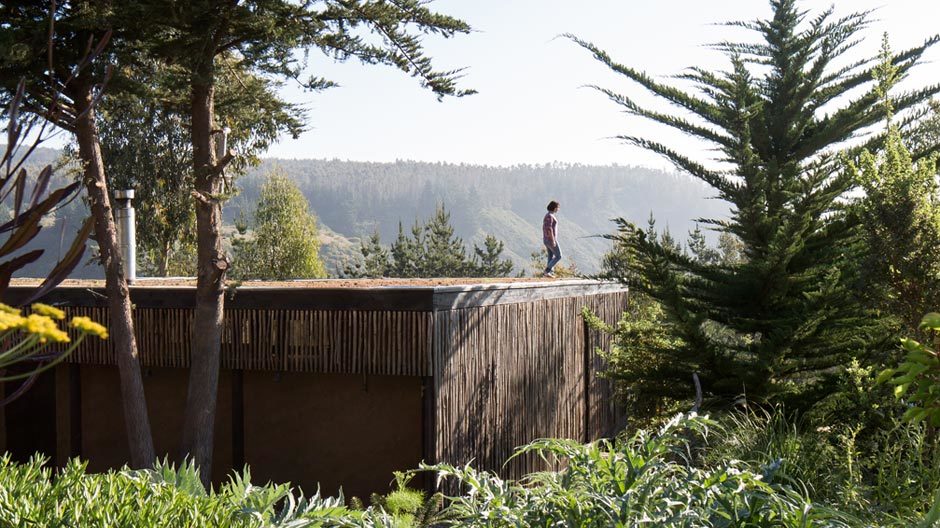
552, 206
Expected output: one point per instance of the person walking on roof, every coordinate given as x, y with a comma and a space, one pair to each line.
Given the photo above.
550, 238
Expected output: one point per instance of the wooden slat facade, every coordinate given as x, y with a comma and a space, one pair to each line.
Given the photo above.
501, 365
317, 341
508, 374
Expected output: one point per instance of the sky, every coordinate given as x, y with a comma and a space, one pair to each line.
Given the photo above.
532, 105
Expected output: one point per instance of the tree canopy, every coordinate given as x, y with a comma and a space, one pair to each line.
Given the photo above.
777, 117
431, 250
283, 243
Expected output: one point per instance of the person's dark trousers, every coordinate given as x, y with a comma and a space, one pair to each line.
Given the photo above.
554, 256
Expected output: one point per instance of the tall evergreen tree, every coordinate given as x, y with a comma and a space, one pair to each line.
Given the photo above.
375, 258
900, 218
444, 253
777, 118
699, 249
146, 146
899, 215
406, 252
488, 261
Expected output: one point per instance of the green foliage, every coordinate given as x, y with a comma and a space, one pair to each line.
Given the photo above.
775, 323
917, 378
652, 384
900, 217
32, 495
925, 137
431, 250
408, 507
488, 261
375, 259
646, 479
407, 252
886, 476
699, 248
284, 243
444, 254
146, 146
643, 379
266, 35
538, 259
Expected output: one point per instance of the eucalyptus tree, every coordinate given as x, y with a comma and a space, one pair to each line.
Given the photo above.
269, 38
788, 312
284, 242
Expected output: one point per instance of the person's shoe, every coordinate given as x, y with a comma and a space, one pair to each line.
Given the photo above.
549, 274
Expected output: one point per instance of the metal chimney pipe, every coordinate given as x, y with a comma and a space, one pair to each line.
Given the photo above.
127, 232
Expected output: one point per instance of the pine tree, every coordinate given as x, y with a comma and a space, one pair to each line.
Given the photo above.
789, 306
488, 261
900, 215
433, 250
406, 252
375, 257
444, 253
699, 249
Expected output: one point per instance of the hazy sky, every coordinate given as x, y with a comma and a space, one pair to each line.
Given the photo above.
530, 107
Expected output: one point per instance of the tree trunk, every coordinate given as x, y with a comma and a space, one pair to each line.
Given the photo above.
199, 421
121, 324
163, 267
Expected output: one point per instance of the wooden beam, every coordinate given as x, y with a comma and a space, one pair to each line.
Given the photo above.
68, 413
238, 419
391, 298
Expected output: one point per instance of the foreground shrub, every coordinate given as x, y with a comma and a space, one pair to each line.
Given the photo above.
917, 378
647, 480
32, 495
887, 476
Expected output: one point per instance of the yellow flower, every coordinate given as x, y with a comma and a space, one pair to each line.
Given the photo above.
49, 311
10, 321
45, 328
9, 309
87, 326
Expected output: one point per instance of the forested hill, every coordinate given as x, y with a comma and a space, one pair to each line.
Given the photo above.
352, 199
355, 198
